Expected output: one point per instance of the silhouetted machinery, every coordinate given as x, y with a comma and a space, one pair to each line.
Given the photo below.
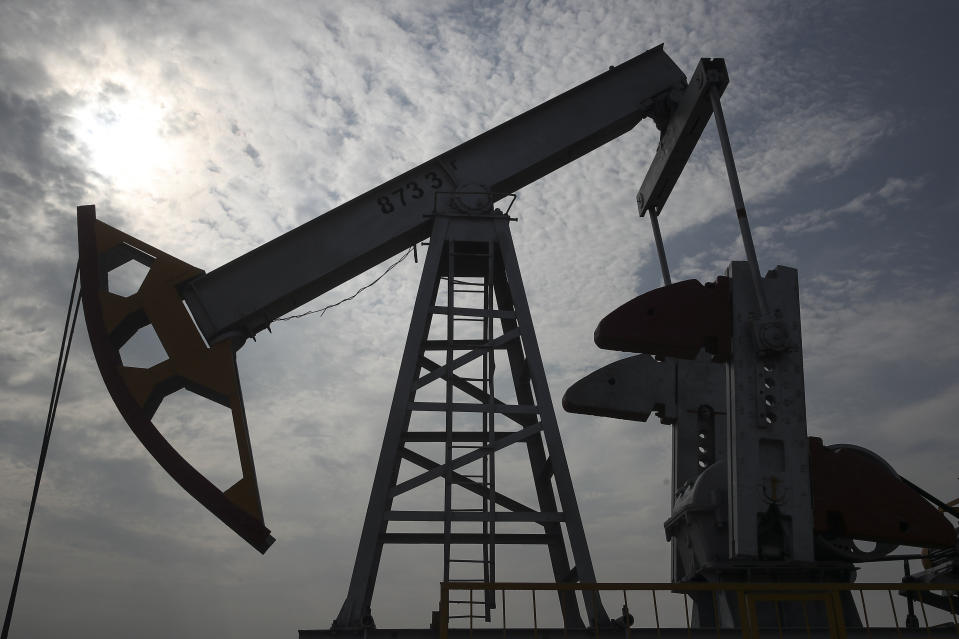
753, 497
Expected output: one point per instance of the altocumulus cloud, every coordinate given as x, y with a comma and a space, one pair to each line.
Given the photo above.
243, 123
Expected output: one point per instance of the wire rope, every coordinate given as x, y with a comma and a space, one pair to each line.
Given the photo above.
73, 309
322, 311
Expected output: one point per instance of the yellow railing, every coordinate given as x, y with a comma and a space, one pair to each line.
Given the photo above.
879, 619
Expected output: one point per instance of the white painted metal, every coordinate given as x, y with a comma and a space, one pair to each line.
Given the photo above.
463, 447
241, 298
767, 441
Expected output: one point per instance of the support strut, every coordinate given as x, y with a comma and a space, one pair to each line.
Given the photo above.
472, 294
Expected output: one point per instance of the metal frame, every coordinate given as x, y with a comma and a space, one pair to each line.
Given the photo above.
244, 296
502, 287
835, 617
767, 441
741, 481
208, 371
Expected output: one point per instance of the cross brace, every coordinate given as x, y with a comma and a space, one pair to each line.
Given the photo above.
487, 259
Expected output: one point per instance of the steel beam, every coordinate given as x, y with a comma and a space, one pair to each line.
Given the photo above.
356, 608
468, 458
554, 444
682, 133
463, 538
242, 297
464, 359
533, 412
439, 515
767, 443
465, 482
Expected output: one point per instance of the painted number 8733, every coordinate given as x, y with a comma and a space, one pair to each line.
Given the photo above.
412, 190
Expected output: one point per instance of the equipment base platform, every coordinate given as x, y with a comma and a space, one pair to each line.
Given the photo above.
621, 633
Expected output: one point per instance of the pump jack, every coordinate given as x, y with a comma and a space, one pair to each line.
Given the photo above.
753, 498
202, 319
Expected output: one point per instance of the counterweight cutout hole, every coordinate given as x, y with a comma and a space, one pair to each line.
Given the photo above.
202, 432
144, 349
126, 279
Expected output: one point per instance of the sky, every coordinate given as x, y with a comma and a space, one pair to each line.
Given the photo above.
206, 129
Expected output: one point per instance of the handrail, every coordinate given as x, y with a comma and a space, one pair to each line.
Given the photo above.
747, 597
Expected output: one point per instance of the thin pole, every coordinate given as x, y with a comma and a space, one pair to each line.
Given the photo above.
660, 249
738, 201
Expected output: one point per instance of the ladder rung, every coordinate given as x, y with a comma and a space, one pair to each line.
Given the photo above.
456, 436
469, 310
475, 312
524, 539
464, 282
459, 344
464, 515
464, 407
468, 561
464, 580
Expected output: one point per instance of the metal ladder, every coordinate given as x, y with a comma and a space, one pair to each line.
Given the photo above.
476, 291
472, 253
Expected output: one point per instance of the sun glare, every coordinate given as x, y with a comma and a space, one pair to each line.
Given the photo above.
126, 142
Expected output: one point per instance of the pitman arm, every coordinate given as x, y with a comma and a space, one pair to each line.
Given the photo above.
244, 296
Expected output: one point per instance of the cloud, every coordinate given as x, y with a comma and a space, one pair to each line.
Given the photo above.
254, 155
268, 116
872, 204
867, 326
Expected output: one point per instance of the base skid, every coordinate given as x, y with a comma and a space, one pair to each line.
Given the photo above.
618, 633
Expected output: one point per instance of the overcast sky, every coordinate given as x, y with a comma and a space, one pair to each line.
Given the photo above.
208, 128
